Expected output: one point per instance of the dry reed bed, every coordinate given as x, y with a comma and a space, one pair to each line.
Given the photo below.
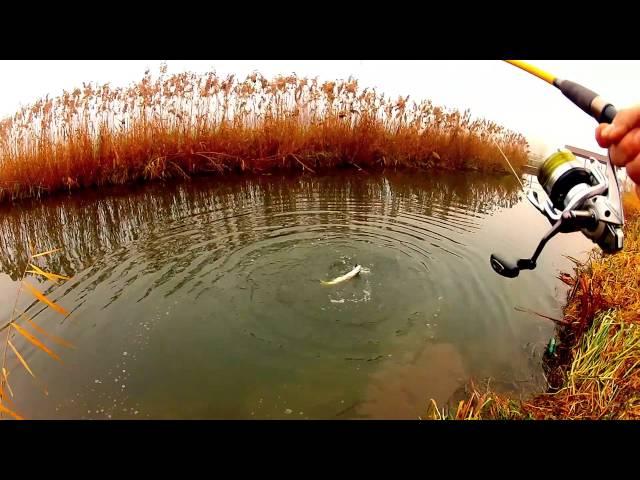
183, 124
595, 372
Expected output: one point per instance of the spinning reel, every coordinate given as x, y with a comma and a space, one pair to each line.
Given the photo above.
579, 197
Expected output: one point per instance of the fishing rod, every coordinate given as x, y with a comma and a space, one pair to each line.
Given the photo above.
589, 101
579, 197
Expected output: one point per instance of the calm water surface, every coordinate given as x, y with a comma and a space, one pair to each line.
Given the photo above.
203, 299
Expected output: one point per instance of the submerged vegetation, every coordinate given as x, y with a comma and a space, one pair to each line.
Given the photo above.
595, 371
185, 124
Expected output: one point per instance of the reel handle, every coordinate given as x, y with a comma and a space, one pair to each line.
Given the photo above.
568, 222
509, 268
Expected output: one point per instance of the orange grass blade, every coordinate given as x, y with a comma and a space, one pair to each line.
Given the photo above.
22, 360
36, 293
46, 253
35, 341
6, 380
50, 336
4, 409
51, 276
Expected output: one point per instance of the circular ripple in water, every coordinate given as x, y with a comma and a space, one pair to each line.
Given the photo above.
205, 301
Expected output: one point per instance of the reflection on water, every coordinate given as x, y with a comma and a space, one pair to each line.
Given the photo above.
203, 299
90, 225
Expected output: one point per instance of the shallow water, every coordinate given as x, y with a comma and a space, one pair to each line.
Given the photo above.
203, 299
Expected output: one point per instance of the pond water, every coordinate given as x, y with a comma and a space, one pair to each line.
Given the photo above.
203, 299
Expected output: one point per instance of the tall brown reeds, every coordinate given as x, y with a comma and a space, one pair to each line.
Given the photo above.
183, 124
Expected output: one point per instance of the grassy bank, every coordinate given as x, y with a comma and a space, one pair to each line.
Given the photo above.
186, 124
595, 371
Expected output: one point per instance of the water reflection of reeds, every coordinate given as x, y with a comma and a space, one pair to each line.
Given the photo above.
91, 225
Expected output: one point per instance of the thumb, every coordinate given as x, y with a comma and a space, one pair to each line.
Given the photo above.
624, 121
602, 141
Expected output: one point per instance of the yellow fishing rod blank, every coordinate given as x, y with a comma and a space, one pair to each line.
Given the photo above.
588, 101
533, 70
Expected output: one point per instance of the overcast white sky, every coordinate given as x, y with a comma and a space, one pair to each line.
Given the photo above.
491, 88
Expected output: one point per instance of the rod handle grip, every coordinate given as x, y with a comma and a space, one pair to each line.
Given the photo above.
608, 114
587, 100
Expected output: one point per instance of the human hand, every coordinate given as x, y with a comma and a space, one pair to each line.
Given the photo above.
622, 138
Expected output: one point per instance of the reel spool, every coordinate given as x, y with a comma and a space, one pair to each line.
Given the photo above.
578, 198
560, 173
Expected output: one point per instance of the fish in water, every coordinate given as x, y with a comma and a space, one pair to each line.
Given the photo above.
347, 276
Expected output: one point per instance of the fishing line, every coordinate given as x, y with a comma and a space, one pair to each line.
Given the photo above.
509, 163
